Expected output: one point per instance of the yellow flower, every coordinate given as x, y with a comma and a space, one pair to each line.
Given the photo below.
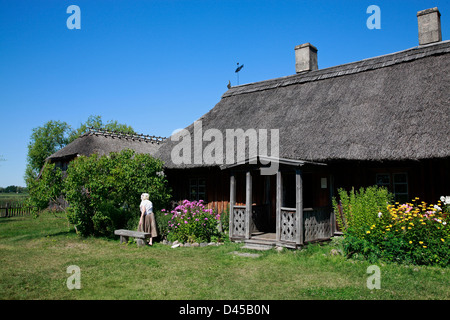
420, 242
368, 232
442, 240
424, 246
410, 242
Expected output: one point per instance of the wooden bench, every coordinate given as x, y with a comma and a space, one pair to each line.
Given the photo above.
139, 236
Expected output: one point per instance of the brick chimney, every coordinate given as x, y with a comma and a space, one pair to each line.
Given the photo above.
305, 58
429, 26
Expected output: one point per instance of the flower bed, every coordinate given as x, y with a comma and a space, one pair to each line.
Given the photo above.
192, 222
414, 232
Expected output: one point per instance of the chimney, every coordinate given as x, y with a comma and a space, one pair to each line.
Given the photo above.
305, 58
429, 26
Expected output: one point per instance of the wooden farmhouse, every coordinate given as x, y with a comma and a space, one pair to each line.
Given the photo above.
379, 121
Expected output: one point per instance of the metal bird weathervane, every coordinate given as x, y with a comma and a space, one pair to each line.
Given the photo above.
239, 67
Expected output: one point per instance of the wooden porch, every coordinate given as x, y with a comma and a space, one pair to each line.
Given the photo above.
252, 222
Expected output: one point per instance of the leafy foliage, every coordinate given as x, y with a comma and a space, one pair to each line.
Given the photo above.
97, 122
46, 189
54, 135
193, 222
414, 232
360, 209
162, 223
44, 181
104, 192
45, 141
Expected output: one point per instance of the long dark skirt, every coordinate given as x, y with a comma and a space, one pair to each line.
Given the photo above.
149, 225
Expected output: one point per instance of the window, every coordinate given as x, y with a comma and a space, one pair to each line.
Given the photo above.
384, 180
197, 189
401, 187
397, 183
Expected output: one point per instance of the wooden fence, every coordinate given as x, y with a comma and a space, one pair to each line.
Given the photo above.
14, 210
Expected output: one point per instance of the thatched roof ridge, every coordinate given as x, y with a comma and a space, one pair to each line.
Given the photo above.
344, 69
104, 142
392, 107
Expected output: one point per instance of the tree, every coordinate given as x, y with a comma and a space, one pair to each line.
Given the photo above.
97, 122
45, 141
46, 189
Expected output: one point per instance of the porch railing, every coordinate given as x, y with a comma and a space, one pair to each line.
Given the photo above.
317, 223
238, 221
288, 226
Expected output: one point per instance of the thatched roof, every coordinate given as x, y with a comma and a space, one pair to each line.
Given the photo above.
392, 107
104, 142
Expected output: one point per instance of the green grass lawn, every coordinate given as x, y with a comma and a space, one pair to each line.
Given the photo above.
35, 254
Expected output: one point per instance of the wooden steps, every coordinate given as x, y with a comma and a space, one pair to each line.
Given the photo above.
259, 244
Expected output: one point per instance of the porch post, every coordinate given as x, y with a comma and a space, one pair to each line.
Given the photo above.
248, 204
278, 209
299, 206
232, 202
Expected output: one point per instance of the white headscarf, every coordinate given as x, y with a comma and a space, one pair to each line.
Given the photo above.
146, 203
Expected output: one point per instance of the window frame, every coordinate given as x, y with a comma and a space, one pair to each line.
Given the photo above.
194, 184
392, 184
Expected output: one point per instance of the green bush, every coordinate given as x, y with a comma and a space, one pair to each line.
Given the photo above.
104, 192
411, 233
162, 222
48, 188
225, 219
193, 222
361, 209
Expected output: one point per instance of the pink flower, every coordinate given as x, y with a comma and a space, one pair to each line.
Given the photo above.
185, 221
163, 210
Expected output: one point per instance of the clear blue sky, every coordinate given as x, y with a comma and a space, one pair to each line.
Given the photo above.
160, 65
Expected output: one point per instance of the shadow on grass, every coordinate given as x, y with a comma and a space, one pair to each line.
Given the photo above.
23, 236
